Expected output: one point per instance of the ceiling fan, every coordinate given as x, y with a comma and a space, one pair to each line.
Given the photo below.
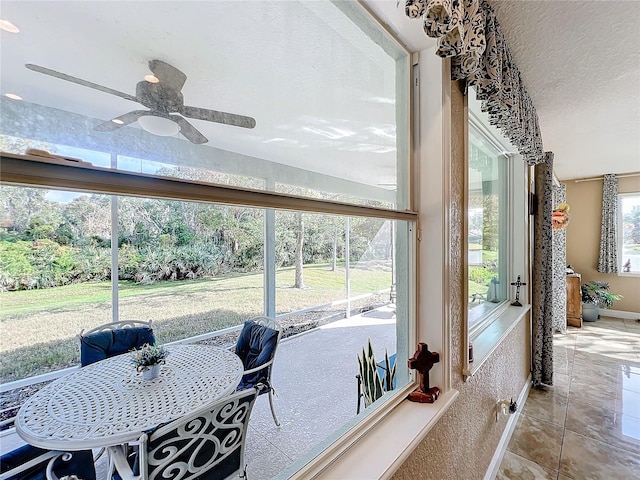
162, 95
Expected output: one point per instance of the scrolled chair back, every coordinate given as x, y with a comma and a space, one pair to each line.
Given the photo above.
205, 445
29, 463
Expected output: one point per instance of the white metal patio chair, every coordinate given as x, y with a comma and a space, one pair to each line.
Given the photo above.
29, 462
256, 347
208, 444
113, 339
110, 339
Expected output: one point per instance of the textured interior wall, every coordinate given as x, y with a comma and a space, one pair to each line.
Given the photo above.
462, 444
583, 239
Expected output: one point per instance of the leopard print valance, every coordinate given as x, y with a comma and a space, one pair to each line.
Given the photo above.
469, 33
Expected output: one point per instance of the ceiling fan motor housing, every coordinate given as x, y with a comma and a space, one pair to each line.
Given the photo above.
159, 97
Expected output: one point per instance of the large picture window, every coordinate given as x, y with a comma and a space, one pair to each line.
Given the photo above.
193, 268
302, 215
497, 226
488, 245
629, 233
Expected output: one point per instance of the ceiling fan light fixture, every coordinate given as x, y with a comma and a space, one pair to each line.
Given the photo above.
13, 96
167, 114
163, 127
7, 26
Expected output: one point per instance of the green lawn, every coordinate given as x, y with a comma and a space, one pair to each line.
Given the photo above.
39, 326
631, 248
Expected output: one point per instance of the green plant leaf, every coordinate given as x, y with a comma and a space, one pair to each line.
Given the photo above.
372, 388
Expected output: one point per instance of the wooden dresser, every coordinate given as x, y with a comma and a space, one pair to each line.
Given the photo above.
574, 300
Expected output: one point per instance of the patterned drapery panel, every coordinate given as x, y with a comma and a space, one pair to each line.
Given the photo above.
559, 310
542, 301
608, 261
469, 33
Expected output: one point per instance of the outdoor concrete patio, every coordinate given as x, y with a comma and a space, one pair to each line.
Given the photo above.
314, 378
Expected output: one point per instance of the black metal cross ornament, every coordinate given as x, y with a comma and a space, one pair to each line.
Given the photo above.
517, 284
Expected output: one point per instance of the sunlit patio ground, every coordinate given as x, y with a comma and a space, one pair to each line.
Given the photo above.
314, 378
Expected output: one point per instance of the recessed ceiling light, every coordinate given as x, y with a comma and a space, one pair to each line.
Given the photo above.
117, 121
7, 26
151, 78
13, 96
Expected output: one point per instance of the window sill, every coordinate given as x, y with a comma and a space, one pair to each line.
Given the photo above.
482, 314
628, 274
378, 450
488, 340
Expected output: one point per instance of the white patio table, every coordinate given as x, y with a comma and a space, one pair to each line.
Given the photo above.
108, 403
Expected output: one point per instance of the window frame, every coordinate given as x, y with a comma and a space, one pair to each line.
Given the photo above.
485, 337
620, 246
399, 424
505, 251
21, 170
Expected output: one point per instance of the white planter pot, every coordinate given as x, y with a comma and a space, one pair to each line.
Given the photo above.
590, 312
151, 372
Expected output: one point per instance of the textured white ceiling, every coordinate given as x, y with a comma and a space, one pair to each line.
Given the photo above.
580, 61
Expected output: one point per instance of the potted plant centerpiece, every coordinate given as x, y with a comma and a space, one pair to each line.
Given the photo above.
148, 360
596, 295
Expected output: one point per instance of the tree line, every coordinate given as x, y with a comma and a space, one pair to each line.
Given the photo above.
46, 243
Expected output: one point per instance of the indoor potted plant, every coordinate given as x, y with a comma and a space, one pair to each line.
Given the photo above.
148, 360
596, 295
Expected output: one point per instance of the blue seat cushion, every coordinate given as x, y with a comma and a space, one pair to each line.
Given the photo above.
81, 464
108, 343
256, 345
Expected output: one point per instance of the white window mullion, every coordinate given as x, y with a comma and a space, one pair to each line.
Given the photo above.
114, 250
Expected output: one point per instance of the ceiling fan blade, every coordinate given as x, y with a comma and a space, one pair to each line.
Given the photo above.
218, 117
167, 74
126, 119
189, 131
79, 81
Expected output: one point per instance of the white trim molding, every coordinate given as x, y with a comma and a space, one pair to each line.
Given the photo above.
494, 466
380, 452
620, 314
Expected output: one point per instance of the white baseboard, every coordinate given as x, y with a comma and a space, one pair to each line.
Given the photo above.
607, 312
494, 466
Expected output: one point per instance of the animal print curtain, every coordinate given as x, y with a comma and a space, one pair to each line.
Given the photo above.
542, 301
469, 33
608, 261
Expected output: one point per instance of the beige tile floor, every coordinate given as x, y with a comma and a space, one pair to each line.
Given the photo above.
587, 425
